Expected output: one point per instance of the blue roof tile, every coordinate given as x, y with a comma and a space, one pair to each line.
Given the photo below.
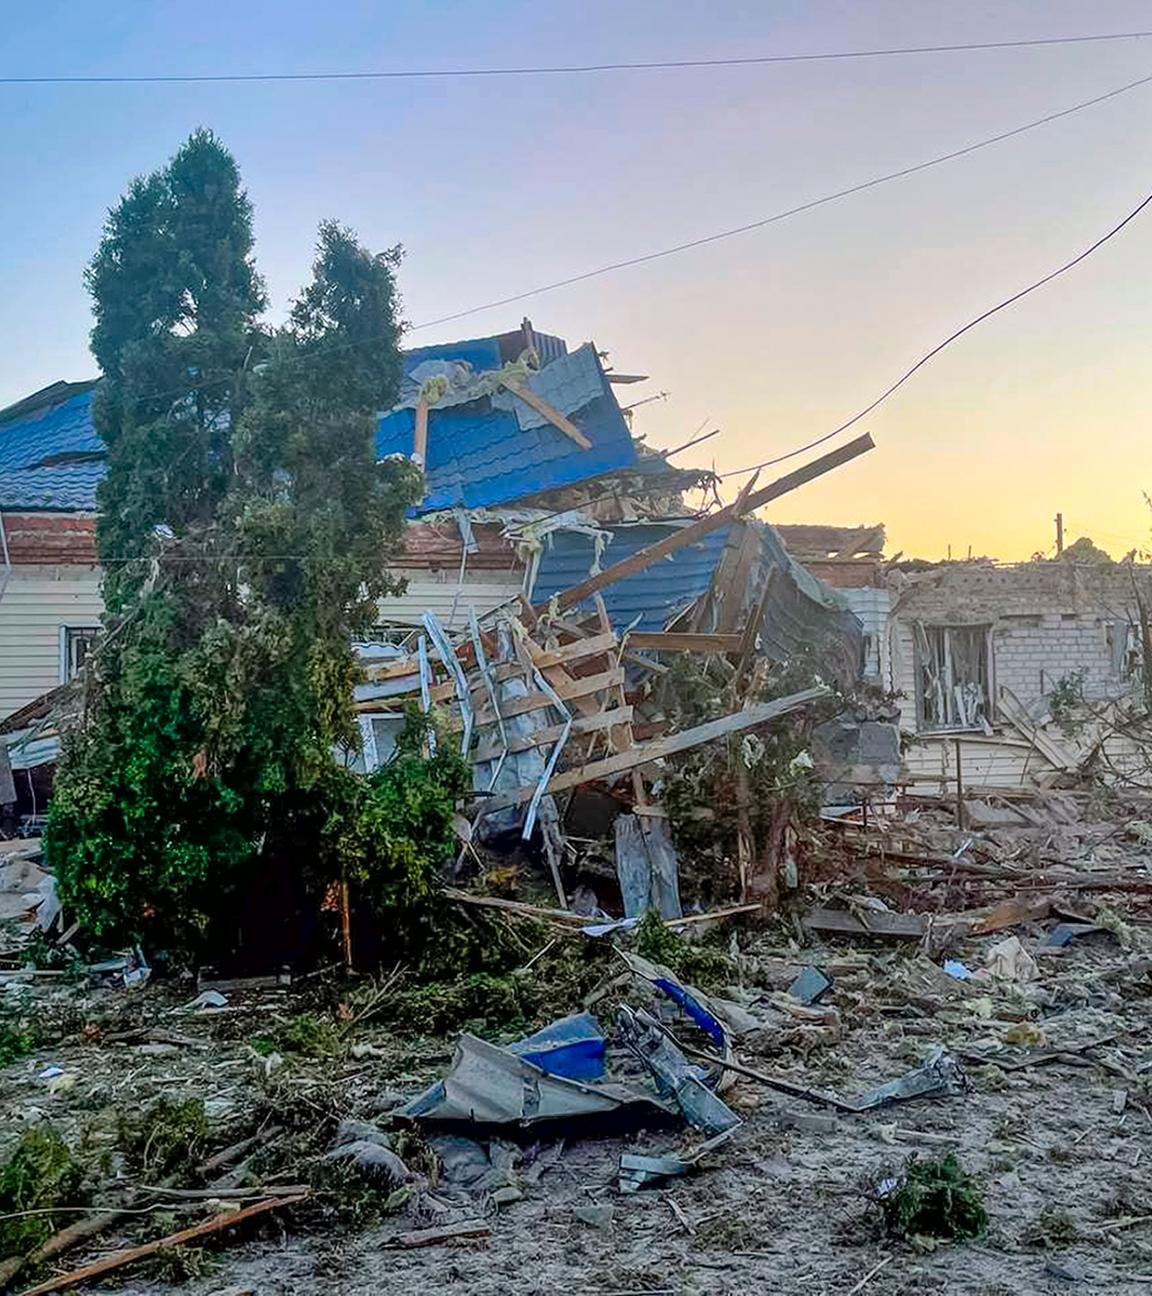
67, 488
478, 455
646, 600
63, 429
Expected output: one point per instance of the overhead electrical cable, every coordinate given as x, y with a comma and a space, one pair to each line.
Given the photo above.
733, 232
570, 69
958, 333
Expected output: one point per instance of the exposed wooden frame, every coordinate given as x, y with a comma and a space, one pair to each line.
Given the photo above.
643, 754
690, 534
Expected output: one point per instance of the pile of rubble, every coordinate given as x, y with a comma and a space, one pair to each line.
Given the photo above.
975, 993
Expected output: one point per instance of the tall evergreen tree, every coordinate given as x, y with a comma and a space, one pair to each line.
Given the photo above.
245, 530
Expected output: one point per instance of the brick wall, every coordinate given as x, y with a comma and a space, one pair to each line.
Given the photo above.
1047, 621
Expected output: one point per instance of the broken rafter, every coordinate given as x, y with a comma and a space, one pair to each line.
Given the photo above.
670, 641
549, 412
542, 737
643, 754
690, 534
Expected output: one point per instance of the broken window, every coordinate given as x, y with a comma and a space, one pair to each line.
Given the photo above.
75, 644
954, 675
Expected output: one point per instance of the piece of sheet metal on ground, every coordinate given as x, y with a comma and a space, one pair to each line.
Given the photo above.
489, 1085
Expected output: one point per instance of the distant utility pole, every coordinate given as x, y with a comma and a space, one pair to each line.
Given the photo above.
1059, 534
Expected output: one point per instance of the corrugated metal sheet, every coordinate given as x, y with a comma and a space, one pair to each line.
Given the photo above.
480, 456
650, 598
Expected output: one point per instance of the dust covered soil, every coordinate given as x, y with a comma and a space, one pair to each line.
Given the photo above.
1061, 1144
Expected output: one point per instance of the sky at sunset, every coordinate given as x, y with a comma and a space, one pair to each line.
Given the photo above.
495, 186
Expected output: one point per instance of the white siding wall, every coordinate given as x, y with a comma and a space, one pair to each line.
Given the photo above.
871, 609
35, 603
450, 599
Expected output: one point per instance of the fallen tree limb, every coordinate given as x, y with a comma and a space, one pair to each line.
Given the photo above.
100, 1220
212, 1194
576, 921
118, 1259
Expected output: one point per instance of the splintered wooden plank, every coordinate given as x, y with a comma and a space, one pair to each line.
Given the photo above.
642, 754
549, 412
690, 534
553, 733
670, 641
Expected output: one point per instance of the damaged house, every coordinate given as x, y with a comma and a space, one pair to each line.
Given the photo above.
983, 655
551, 565
1016, 676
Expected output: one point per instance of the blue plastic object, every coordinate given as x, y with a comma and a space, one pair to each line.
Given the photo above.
572, 1047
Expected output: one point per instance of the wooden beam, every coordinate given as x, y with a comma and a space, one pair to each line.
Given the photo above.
643, 754
690, 534
568, 689
670, 641
541, 406
553, 733
420, 434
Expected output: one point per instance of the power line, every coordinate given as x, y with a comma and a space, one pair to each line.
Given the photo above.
813, 203
730, 233
1008, 301
568, 69
705, 240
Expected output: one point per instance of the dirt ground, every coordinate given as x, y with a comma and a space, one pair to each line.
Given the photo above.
1062, 1149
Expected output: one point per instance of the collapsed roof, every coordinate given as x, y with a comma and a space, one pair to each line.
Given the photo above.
505, 417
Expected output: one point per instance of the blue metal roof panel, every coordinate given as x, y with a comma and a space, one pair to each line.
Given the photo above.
646, 600
59, 430
480, 353
67, 488
478, 456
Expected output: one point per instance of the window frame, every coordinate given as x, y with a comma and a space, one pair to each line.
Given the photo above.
70, 633
920, 632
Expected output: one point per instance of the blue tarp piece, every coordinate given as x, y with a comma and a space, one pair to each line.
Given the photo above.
571, 1047
699, 1014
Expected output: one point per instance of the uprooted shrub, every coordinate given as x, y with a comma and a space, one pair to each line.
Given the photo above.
759, 784
935, 1199
169, 1137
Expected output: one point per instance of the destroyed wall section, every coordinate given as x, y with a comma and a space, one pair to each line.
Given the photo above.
1046, 621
